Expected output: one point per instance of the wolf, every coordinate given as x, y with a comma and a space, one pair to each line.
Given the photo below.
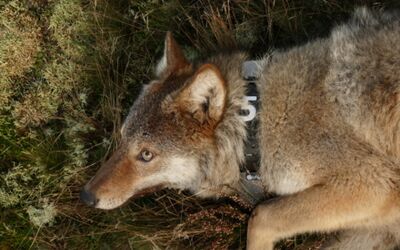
329, 135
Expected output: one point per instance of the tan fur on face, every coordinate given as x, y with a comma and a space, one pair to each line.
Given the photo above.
115, 177
123, 177
209, 169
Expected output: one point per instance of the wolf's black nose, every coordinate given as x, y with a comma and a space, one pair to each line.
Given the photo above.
88, 198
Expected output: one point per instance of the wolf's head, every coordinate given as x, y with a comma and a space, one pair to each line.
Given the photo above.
170, 137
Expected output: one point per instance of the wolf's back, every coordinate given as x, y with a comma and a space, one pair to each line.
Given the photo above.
364, 79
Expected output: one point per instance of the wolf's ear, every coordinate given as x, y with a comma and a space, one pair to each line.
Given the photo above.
204, 97
173, 59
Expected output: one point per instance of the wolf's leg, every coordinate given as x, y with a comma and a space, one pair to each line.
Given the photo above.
318, 208
366, 239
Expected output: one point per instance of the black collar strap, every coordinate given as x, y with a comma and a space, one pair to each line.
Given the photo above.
250, 185
251, 72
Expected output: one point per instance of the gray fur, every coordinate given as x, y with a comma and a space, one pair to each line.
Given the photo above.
329, 136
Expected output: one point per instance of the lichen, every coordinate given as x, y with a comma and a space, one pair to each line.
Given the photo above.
45, 214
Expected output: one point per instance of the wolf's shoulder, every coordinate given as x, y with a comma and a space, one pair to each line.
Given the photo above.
362, 51
366, 29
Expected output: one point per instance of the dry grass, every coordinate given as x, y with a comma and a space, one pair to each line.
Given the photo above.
69, 71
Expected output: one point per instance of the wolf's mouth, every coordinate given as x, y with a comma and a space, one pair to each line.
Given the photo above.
148, 190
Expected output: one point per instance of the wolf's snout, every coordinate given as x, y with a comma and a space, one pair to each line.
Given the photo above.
88, 198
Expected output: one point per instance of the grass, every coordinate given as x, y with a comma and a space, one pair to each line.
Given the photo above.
69, 71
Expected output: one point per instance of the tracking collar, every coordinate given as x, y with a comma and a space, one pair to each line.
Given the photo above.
250, 178
249, 114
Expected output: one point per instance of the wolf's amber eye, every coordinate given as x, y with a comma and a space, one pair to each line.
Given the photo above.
146, 155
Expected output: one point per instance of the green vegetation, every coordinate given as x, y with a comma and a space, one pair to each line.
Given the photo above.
70, 69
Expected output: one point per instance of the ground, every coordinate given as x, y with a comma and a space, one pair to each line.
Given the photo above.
69, 71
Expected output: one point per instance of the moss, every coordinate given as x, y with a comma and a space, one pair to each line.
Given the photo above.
71, 27
62, 74
8, 199
20, 39
43, 119
36, 107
